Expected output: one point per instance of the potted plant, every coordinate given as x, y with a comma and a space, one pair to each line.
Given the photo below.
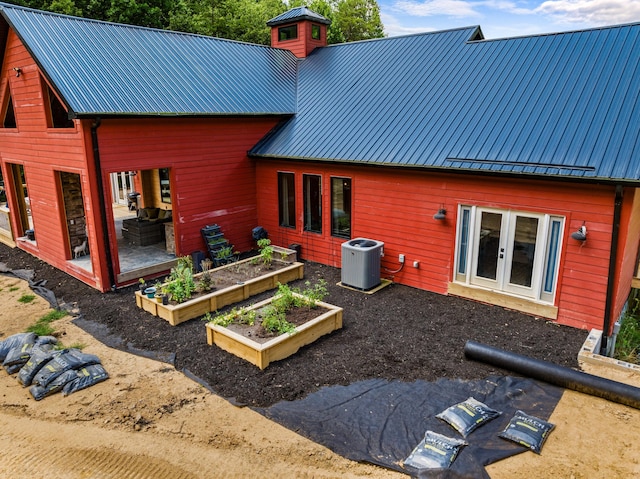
225, 255
150, 292
158, 294
142, 284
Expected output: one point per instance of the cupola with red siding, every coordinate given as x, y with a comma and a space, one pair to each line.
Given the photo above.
299, 30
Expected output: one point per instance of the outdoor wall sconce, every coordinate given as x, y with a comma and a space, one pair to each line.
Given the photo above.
17, 70
440, 215
581, 234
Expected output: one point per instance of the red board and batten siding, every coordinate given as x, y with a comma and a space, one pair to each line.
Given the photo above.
627, 263
212, 179
44, 152
397, 207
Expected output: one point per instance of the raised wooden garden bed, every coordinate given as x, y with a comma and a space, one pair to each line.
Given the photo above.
205, 303
261, 354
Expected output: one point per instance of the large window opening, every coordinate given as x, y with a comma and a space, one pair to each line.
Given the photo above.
57, 115
286, 200
143, 222
312, 192
22, 208
8, 113
510, 251
341, 207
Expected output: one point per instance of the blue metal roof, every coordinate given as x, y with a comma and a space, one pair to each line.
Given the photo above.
105, 68
564, 104
296, 14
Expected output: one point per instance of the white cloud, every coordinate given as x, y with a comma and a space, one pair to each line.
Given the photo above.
593, 12
394, 28
427, 8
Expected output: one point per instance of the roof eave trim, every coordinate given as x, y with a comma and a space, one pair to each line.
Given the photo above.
103, 115
437, 169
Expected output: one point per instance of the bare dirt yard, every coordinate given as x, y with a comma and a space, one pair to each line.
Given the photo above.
149, 420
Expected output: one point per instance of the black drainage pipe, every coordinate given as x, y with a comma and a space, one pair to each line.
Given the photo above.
554, 374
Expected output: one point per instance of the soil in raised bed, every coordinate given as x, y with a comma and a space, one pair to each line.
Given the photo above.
398, 333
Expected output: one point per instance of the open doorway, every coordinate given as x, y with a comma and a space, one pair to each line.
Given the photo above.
78, 243
22, 208
143, 223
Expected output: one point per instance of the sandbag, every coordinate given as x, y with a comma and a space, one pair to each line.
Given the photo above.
20, 354
529, 431
66, 360
14, 341
435, 451
85, 377
466, 416
41, 354
17, 357
40, 392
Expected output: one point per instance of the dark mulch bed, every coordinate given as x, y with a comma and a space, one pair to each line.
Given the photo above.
397, 333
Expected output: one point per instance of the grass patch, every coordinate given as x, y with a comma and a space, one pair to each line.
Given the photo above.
13, 288
26, 298
42, 326
79, 346
628, 340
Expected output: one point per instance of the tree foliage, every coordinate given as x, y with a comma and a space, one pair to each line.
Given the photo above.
243, 20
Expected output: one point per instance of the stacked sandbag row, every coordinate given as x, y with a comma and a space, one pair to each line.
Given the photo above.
46, 369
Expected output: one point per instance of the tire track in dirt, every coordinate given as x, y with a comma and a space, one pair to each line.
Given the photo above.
38, 449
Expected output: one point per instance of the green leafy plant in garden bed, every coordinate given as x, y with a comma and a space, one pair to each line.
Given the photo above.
628, 340
181, 285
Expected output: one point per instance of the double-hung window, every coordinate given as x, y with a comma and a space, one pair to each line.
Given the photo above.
509, 251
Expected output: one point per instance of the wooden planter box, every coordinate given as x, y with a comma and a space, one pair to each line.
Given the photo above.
199, 306
280, 347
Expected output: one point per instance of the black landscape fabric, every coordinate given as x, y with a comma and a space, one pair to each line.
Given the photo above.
381, 421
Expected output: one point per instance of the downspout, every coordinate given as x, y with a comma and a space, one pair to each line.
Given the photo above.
103, 208
613, 257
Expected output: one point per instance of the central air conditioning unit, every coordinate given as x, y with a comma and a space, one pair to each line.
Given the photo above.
361, 258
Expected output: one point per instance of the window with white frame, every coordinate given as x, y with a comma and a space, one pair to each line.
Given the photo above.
515, 252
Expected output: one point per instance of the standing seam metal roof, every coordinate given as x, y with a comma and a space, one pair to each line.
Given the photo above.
105, 68
564, 104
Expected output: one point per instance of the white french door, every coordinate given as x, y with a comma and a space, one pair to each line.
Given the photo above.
510, 251
121, 184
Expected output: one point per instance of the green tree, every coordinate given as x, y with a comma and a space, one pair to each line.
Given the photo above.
358, 20
243, 20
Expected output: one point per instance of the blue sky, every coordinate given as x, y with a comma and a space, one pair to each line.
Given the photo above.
504, 18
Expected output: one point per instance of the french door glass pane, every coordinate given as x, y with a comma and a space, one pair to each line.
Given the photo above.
524, 248
464, 241
490, 226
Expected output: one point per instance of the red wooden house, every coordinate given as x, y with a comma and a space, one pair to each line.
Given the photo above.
504, 171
